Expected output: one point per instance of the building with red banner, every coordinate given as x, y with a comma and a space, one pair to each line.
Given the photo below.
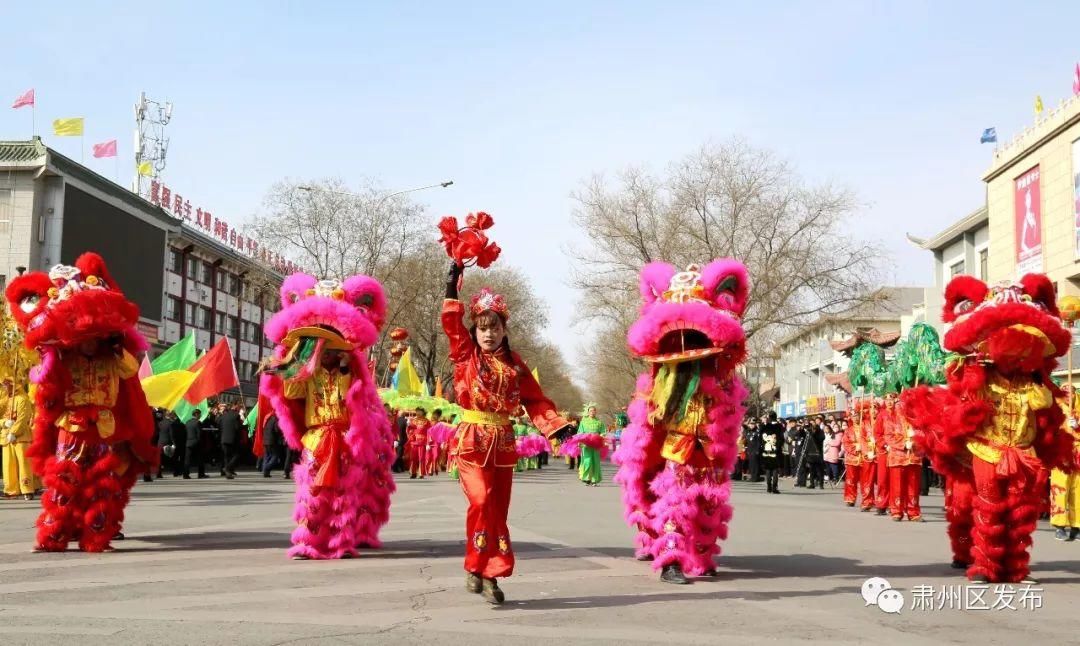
187, 274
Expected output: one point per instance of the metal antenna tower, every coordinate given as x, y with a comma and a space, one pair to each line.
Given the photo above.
151, 144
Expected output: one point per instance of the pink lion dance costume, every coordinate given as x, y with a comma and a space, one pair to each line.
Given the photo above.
328, 407
677, 454
92, 427
995, 428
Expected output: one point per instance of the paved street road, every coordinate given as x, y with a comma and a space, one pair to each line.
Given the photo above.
205, 563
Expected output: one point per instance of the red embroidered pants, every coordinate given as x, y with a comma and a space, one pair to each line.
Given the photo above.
851, 482
904, 485
488, 552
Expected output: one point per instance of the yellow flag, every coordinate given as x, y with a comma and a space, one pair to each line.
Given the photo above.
406, 380
167, 389
1038, 105
536, 376
146, 169
72, 127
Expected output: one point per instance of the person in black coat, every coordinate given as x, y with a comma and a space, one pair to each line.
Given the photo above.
772, 452
814, 454
273, 442
231, 427
175, 440
160, 430
402, 421
193, 445
753, 448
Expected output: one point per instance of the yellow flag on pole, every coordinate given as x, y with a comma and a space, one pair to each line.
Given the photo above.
406, 378
167, 389
145, 169
536, 375
1038, 105
72, 127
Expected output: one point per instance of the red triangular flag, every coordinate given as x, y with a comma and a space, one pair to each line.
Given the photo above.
216, 372
1076, 80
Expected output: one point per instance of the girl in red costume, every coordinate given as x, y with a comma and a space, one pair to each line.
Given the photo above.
490, 382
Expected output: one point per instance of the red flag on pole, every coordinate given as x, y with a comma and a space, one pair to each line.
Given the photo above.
27, 99
1076, 80
105, 149
215, 373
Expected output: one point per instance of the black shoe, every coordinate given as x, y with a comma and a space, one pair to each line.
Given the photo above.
850, 504
1061, 534
711, 572
28, 496
1073, 534
186, 477
203, 476
673, 574
473, 583
881, 512
491, 592
230, 477
959, 565
644, 557
146, 478
266, 475
119, 536
412, 476
776, 491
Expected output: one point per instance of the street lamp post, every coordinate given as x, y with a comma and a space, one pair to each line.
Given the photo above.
445, 184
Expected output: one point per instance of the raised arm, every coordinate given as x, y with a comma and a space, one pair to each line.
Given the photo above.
453, 318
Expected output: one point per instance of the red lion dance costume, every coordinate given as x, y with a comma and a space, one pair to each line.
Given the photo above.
93, 427
995, 428
677, 454
333, 414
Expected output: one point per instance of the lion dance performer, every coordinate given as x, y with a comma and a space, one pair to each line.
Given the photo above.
490, 382
995, 428
93, 428
677, 454
328, 408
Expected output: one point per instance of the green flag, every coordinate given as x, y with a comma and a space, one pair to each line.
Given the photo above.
252, 419
178, 357
184, 410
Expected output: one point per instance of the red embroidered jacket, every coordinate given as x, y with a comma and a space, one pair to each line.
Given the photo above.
492, 382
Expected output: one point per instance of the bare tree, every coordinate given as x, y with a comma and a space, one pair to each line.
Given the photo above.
337, 231
725, 200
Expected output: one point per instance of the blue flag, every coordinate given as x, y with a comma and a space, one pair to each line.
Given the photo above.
988, 136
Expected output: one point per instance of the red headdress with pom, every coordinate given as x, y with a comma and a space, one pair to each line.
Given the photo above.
489, 301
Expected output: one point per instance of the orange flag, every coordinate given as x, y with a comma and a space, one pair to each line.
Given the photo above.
215, 372
438, 387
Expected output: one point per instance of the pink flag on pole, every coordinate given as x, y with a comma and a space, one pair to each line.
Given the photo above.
1076, 80
105, 149
144, 369
26, 99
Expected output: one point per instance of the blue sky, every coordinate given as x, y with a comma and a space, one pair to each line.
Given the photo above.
517, 102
